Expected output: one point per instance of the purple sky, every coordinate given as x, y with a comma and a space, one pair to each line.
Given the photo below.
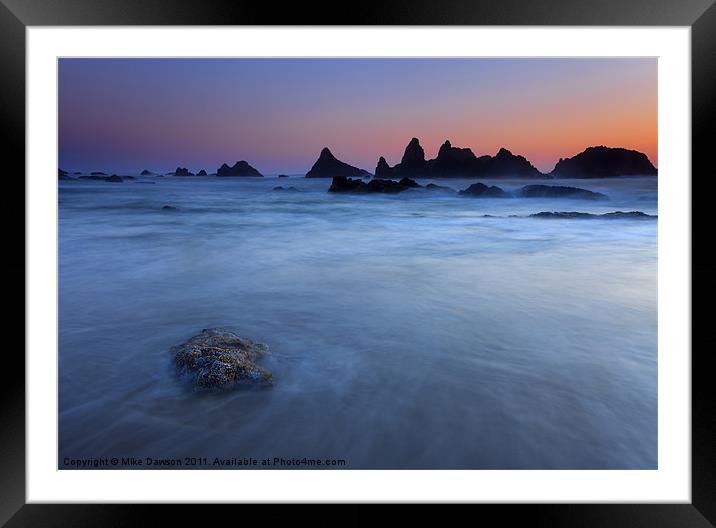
125, 115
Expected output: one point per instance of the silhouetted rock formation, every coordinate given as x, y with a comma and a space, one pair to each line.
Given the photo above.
283, 176
62, 175
341, 184
218, 359
114, 179
383, 170
455, 162
169, 208
146, 172
604, 162
182, 171
482, 190
434, 187
202, 172
240, 168
615, 215
328, 166
557, 191
291, 189
97, 174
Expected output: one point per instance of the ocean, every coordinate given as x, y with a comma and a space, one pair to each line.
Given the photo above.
423, 330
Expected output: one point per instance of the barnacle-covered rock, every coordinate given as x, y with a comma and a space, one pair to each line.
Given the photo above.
218, 359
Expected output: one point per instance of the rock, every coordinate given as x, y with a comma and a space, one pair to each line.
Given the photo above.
129, 178
114, 179
62, 175
328, 166
289, 189
482, 190
455, 162
283, 176
558, 191
218, 359
604, 162
182, 171
349, 185
146, 172
77, 173
202, 172
240, 168
434, 187
169, 208
383, 170
574, 214
93, 177
97, 174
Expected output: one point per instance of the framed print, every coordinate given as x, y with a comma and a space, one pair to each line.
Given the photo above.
427, 257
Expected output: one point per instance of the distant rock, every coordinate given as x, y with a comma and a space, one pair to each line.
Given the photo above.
77, 173
283, 176
62, 175
128, 178
146, 172
202, 172
328, 166
434, 187
484, 191
557, 191
455, 162
604, 162
97, 174
182, 171
240, 168
280, 188
573, 214
341, 184
114, 179
219, 359
169, 208
93, 177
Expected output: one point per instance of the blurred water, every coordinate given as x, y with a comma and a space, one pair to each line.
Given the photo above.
406, 331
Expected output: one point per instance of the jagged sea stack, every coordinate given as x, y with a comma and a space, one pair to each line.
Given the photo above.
328, 166
240, 168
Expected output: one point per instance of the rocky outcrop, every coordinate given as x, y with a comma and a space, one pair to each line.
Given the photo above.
114, 179
182, 171
239, 169
328, 166
557, 191
604, 162
342, 184
146, 172
456, 162
280, 188
484, 191
202, 172
169, 208
283, 175
62, 175
573, 214
97, 173
219, 359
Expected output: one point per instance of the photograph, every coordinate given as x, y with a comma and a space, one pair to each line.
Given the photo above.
357, 263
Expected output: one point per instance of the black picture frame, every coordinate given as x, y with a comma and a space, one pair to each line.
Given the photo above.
699, 15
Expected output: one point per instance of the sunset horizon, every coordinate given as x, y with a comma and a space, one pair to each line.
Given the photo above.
278, 114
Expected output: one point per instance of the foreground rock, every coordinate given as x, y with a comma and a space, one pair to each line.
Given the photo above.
342, 184
455, 162
218, 359
328, 166
240, 168
573, 214
604, 162
558, 191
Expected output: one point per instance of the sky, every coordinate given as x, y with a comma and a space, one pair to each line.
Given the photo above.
126, 115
